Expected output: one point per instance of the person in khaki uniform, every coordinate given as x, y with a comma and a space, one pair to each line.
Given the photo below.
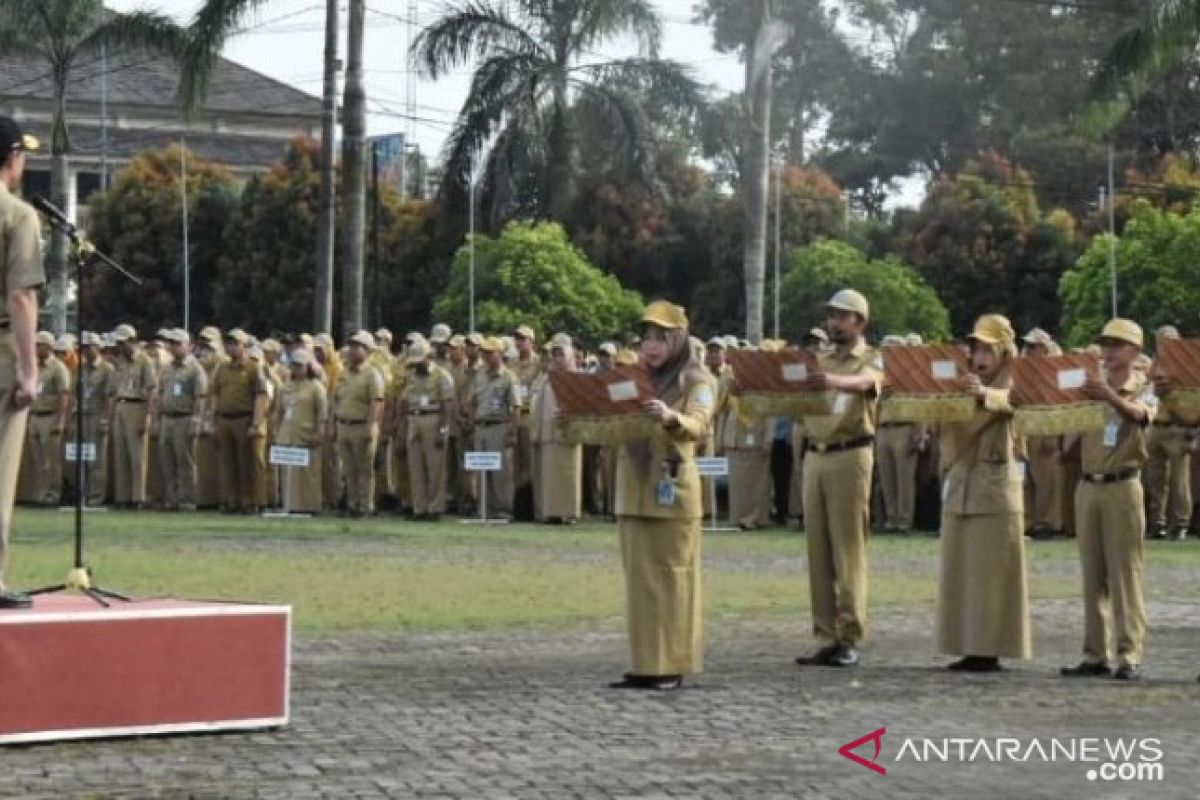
179, 412
492, 405
302, 413
527, 366
983, 595
897, 448
210, 354
659, 510
837, 483
1168, 480
48, 424
1109, 514
604, 485
98, 385
156, 349
747, 444
239, 401
558, 463
330, 362
136, 382
424, 408
21, 275
358, 407
382, 359
1045, 486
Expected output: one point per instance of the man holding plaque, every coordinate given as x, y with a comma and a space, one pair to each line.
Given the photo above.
1109, 514
1168, 479
837, 483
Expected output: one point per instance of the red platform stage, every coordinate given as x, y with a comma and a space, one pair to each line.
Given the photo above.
72, 669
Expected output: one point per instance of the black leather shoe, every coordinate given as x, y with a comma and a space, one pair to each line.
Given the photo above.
10, 599
819, 658
1128, 672
1157, 531
976, 664
845, 656
649, 683
1086, 669
1180, 533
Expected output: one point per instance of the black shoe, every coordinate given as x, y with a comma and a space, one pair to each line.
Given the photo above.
1086, 669
976, 664
846, 655
819, 658
11, 599
649, 683
1128, 672
1180, 533
1042, 533
1157, 531
433, 517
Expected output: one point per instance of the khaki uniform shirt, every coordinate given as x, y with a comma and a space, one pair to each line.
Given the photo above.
182, 387
20, 249
544, 413
852, 415
526, 372
429, 393
303, 405
983, 476
355, 393
494, 396
99, 383
53, 382
136, 377
1121, 444
235, 387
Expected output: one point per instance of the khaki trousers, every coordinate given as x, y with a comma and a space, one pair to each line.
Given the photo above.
897, 475
1110, 523
45, 459
494, 439
837, 498
796, 491
12, 441
154, 472
664, 613
749, 487
356, 447
177, 458
95, 473
129, 453
1046, 482
1168, 478
243, 463
208, 485
426, 450
303, 485
557, 484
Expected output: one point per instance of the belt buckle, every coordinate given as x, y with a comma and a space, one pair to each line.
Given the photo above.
1096, 477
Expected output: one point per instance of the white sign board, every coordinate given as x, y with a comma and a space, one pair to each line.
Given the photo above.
483, 462
620, 392
1071, 379
795, 373
944, 370
290, 456
89, 452
712, 467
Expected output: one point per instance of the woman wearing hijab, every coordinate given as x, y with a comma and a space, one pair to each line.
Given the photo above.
659, 509
983, 601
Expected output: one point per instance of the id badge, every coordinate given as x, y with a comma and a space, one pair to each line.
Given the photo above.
177, 390
1022, 470
423, 401
750, 440
287, 414
666, 493
1110, 435
841, 403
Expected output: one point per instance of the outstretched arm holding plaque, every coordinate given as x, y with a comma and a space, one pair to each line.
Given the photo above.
605, 408
778, 384
1051, 395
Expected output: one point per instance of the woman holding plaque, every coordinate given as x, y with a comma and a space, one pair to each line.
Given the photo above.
983, 602
659, 509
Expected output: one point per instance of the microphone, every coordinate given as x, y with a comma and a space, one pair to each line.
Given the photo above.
57, 217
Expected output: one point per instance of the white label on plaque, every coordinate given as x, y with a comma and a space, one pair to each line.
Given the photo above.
841, 403
712, 467
89, 452
483, 462
945, 370
1071, 378
280, 456
795, 373
620, 392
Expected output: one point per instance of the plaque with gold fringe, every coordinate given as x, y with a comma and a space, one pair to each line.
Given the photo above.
771, 384
1048, 393
921, 384
604, 408
1179, 361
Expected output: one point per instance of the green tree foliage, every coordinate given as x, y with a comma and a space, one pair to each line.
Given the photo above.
1158, 276
139, 222
901, 302
531, 274
980, 241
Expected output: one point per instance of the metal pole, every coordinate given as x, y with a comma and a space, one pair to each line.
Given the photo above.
1112, 230
187, 262
376, 303
471, 256
778, 236
103, 117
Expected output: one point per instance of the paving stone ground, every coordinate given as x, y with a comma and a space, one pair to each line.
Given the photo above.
525, 714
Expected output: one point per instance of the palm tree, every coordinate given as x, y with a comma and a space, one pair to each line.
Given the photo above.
68, 34
1167, 32
537, 72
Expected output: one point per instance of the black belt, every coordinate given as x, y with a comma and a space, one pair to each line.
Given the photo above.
351, 421
491, 423
840, 447
43, 413
1120, 475
895, 424
131, 400
424, 413
1158, 424
177, 414
238, 415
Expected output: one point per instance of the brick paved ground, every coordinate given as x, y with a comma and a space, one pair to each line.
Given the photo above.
524, 715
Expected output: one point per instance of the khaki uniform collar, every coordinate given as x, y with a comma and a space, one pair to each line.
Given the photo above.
859, 349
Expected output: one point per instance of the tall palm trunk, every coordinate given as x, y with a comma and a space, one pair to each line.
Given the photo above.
756, 176
59, 177
323, 310
558, 188
354, 177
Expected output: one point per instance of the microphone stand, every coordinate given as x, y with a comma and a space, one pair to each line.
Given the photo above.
79, 578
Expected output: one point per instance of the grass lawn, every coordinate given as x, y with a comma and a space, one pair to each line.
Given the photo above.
385, 575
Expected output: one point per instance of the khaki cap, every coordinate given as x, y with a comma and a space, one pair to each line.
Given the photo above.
92, 340
123, 333
440, 334
177, 335
892, 340
1123, 330
383, 335
525, 332
417, 353
363, 338
819, 334
1167, 332
323, 340
64, 343
13, 137
1038, 336
993, 329
46, 338
731, 342
718, 342
914, 340
852, 301
626, 358
665, 315
302, 356
237, 335
561, 340
457, 340
490, 344
271, 346
475, 339
608, 347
